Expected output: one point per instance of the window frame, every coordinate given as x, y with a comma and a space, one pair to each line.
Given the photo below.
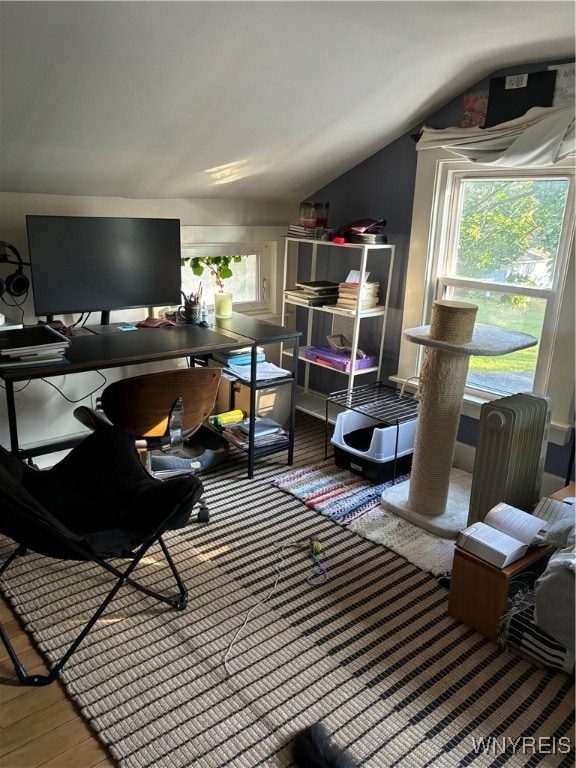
431, 198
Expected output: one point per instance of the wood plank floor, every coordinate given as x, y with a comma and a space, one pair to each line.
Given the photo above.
40, 727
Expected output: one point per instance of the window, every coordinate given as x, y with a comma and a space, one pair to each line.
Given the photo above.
250, 279
501, 246
504, 240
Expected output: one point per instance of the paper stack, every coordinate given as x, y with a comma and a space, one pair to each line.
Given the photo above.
36, 345
353, 296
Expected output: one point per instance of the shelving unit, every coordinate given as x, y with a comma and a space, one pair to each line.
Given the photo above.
261, 334
298, 266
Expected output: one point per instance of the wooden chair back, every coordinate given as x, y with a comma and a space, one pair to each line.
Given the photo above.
142, 404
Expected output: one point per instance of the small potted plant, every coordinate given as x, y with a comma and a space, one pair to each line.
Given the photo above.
219, 269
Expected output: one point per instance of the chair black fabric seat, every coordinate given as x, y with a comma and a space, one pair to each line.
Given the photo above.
98, 503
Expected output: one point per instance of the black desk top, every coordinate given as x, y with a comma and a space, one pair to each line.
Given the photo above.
144, 345
258, 330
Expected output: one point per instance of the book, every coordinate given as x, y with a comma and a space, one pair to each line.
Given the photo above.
264, 371
318, 286
503, 536
262, 426
368, 289
307, 299
32, 338
346, 303
36, 361
227, 358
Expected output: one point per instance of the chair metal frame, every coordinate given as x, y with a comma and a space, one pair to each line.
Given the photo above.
122, 577
157, 506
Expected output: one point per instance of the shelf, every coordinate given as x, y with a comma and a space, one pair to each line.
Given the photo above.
304, 359
329, 243
320, 261
314, 404
383, 403
333, 310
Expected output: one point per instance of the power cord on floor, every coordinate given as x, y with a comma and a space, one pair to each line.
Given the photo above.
318, 576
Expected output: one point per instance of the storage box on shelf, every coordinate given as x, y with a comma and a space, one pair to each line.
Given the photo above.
313, 260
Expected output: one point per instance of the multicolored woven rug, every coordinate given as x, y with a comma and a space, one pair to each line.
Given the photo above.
352, 501
337, 493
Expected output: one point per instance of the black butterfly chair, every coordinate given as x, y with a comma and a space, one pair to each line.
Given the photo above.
98, 503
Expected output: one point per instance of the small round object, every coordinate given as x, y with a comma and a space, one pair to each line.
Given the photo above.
203, 324
338, 240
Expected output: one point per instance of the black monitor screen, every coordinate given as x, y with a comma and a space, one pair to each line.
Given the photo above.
93, 264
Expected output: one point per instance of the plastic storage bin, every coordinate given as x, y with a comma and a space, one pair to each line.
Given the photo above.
378, 453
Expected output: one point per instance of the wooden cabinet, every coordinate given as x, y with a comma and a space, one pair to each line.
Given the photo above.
479, 590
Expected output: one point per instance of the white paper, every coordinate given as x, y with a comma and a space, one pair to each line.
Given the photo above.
264, 371
354, 276
516, 523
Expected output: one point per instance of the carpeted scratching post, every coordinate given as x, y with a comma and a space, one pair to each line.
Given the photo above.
437, 497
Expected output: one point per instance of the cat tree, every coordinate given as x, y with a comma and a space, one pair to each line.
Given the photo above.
437, 497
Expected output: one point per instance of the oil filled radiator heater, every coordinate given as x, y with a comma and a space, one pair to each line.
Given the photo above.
510, 454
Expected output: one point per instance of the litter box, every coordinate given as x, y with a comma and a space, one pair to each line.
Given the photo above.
367, 447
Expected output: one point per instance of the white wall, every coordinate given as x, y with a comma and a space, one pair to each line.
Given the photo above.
43, 412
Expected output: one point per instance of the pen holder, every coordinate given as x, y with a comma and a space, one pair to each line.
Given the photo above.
190, 312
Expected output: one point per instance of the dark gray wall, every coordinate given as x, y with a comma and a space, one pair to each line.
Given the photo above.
383, 187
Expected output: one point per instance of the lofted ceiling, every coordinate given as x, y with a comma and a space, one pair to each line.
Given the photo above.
239, 99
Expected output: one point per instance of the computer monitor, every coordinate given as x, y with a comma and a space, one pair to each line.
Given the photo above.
98, 264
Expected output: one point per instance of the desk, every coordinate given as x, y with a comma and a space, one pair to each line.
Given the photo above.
145, 345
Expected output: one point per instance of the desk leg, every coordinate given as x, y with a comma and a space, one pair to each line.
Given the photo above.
252, 415
295, 351
11, 411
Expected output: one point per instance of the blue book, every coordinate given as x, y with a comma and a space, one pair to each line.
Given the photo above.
227, 358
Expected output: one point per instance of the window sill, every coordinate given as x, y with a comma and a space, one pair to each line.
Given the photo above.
560, 432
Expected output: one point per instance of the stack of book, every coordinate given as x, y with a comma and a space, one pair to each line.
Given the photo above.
314, 293
305, 233
242, 356
32, 346
266, 432
353, 297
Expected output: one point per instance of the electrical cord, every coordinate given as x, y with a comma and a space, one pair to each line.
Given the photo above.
79, 400
319, 572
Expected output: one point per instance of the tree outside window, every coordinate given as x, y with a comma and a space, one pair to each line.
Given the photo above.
502, 240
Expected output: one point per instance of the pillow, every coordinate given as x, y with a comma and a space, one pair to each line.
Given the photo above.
554, 591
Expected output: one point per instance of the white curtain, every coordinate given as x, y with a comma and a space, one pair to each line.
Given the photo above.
540, 138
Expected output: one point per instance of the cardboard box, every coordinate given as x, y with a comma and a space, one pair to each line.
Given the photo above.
272, 402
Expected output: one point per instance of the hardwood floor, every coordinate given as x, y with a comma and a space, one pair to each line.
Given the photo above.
40, 727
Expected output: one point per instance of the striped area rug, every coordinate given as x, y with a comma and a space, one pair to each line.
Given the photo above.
372, 652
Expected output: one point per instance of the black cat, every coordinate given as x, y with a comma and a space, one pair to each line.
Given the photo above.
312, 748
